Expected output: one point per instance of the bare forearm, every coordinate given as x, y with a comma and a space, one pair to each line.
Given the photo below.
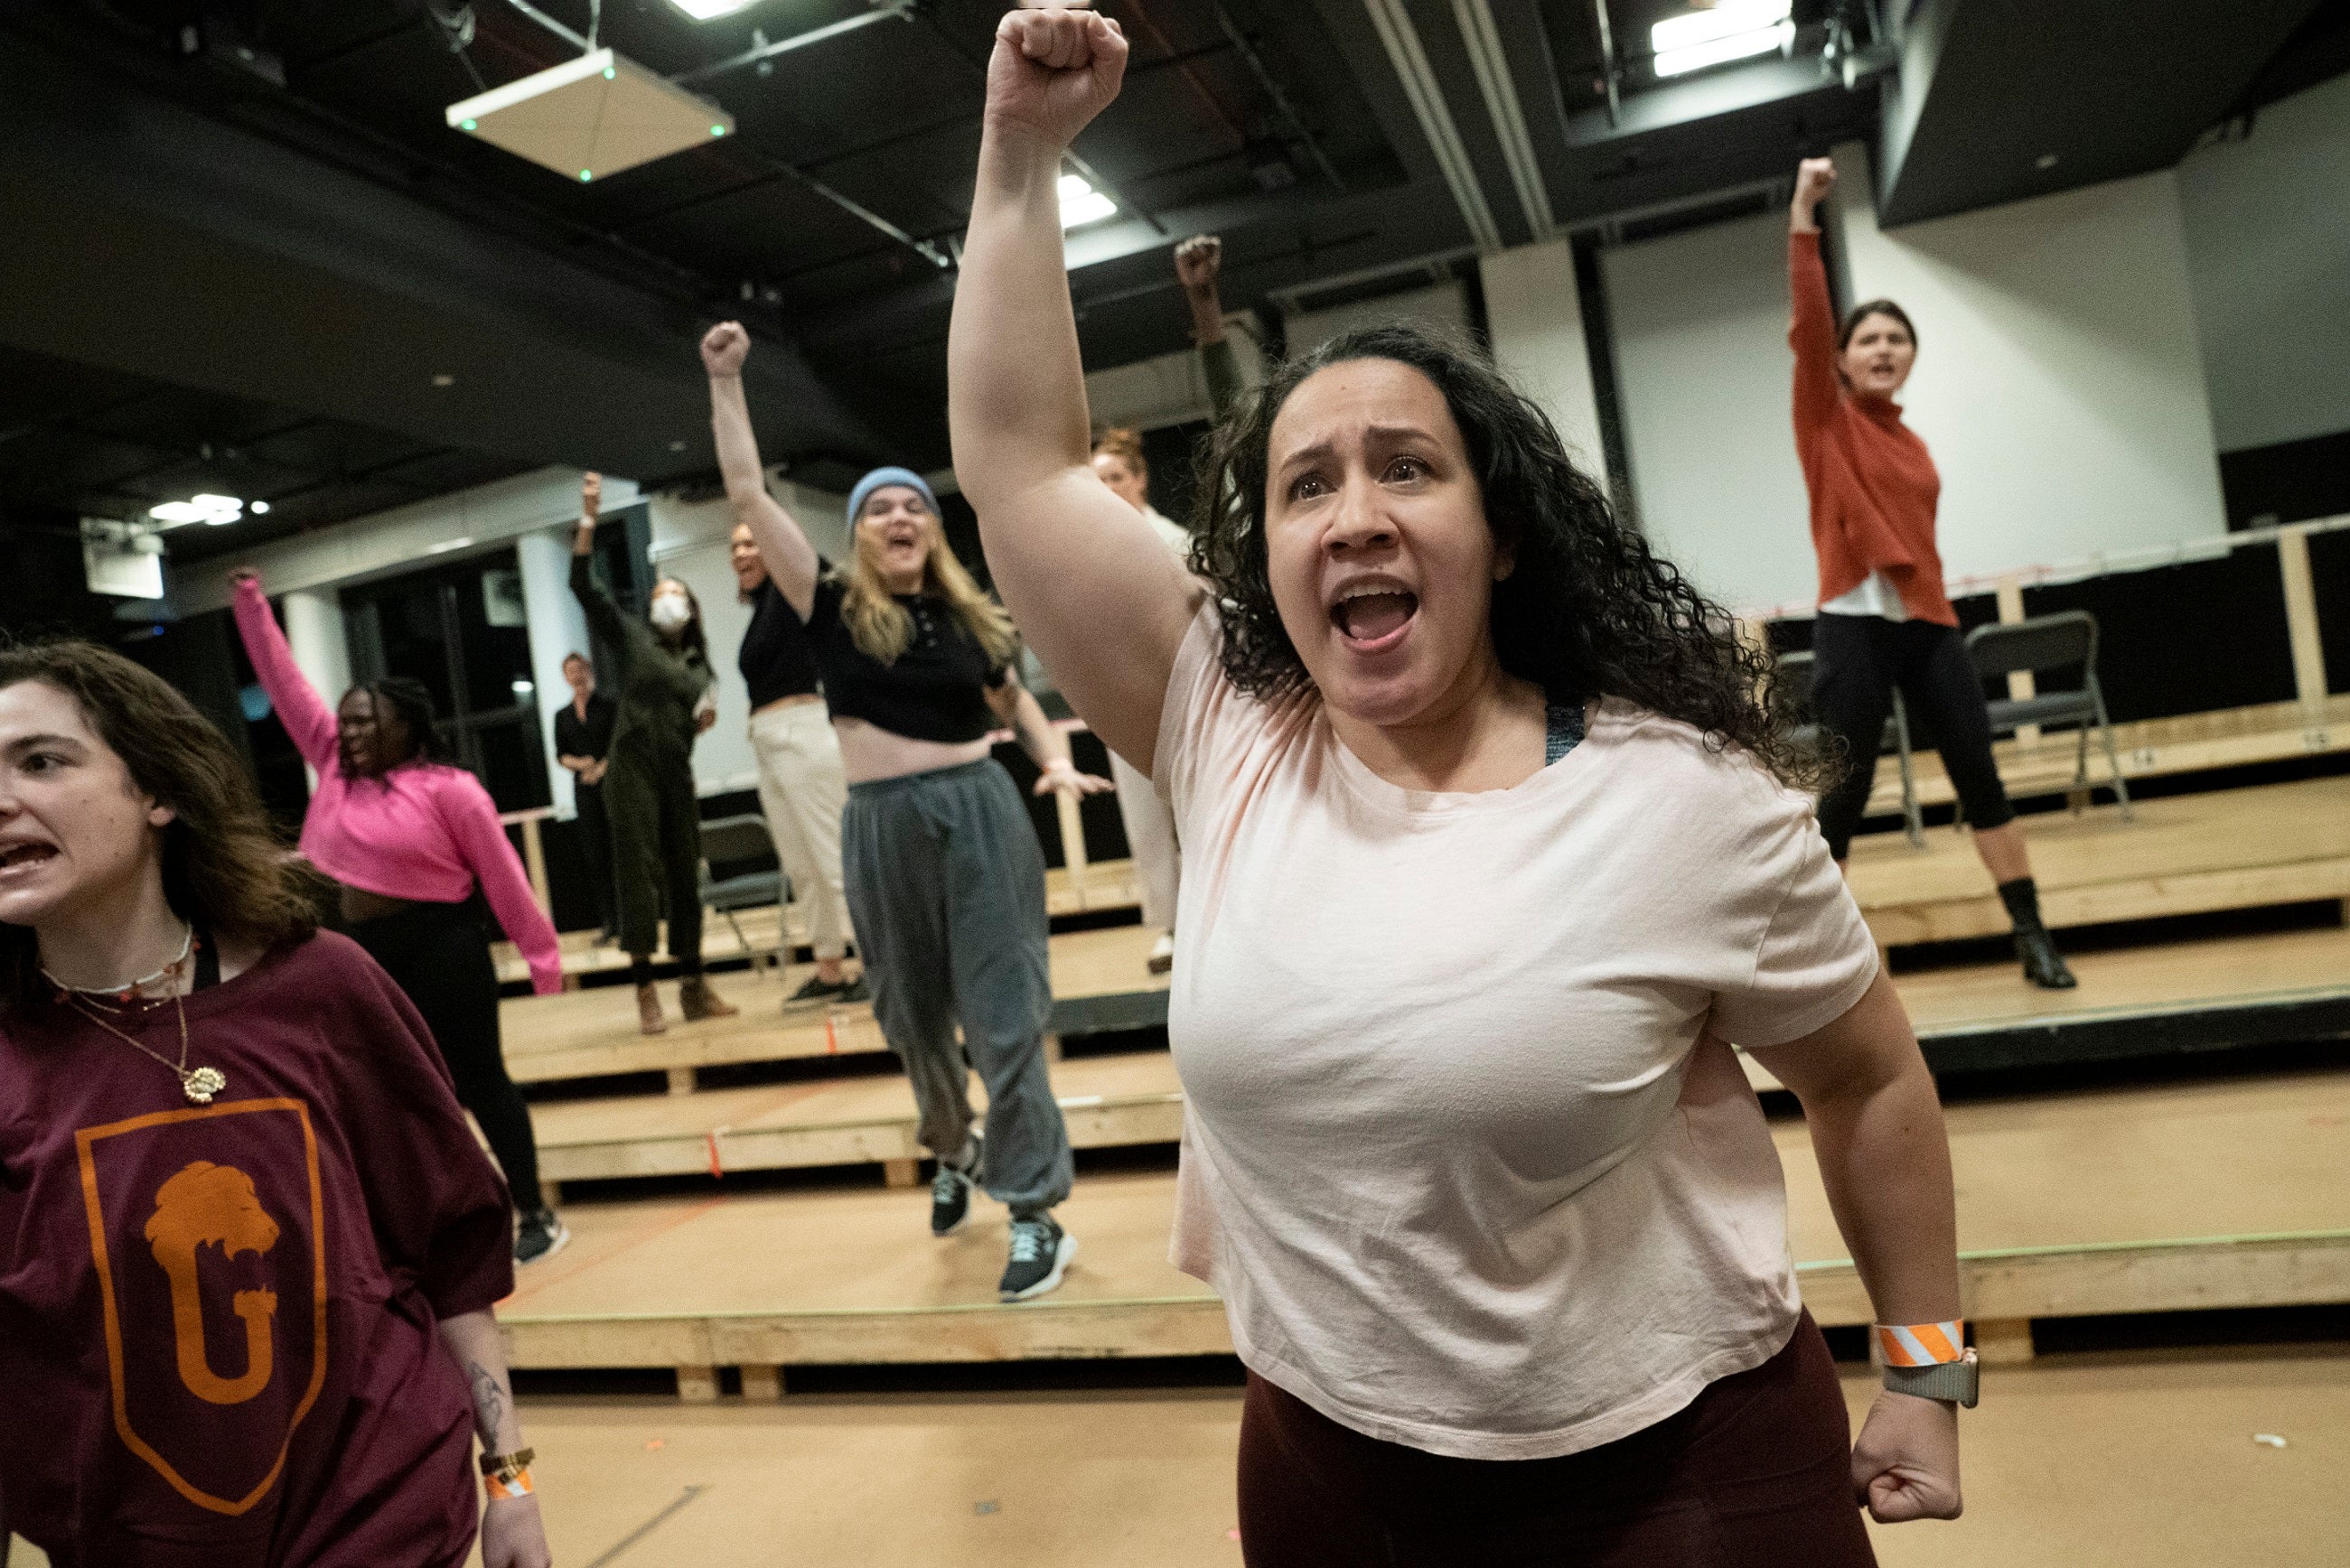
473, 1339
1015, 383
1207, 316
1885, 1160
784, 544
1039, 737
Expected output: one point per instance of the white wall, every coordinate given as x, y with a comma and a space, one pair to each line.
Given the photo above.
1443, 305
1702, 377
1169, 388
2268, 253
2059, 381
1535, 315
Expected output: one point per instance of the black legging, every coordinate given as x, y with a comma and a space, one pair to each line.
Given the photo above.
1756, 1472
439, 954
1858, 661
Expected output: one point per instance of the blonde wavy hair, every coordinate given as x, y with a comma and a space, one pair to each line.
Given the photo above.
880, 625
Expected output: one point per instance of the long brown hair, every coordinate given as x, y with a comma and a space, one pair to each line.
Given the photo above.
880, 625
223, 869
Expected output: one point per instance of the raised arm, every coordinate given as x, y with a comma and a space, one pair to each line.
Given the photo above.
604, 616
1885, 1159
300, 709
1198, 262
1812, 330
1105, 603
782, 544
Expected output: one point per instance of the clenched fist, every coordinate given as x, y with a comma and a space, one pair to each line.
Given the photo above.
1054, 68
724, 348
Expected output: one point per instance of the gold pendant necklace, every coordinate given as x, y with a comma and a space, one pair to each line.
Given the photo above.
199, 1085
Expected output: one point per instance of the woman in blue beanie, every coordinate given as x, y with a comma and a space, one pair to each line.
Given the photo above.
945, 880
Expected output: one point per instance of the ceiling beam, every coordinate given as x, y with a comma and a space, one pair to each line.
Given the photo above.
1405, 53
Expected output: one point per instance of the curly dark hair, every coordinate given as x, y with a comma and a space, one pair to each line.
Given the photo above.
411, 702
223, 869
1589, 609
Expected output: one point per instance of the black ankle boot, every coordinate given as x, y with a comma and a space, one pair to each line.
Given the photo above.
2043, 966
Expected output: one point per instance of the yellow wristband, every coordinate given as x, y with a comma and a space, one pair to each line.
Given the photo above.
507, 1483
1922, 1344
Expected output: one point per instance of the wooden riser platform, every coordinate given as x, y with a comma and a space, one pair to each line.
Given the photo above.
1105, 886
2234, 1194
2229, 850
1100, 981
2149, 748
2135, 1001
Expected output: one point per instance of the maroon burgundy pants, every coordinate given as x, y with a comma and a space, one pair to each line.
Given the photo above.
1756, 1473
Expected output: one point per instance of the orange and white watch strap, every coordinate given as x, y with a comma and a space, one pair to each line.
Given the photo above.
1922, 1344
508, 1483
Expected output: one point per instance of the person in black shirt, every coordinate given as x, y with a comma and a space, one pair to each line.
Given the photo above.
801, 786
583, 740
944, 870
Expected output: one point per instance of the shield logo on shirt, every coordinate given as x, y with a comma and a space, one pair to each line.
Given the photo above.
207, 1230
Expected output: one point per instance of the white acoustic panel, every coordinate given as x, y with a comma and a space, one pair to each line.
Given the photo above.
591, 116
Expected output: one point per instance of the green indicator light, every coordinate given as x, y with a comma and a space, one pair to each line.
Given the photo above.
609, 73
717, 130
469, 125
586, 175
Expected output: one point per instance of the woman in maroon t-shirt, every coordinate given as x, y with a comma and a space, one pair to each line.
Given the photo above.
241, 1213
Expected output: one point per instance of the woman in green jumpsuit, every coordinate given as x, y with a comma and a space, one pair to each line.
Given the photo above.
664, 679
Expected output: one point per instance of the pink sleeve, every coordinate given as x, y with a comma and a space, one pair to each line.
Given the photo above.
1812, 334
472, 821
307, 720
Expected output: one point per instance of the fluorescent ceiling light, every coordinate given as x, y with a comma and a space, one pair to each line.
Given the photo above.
1082, 204
711, 10
1730, 31
213, 509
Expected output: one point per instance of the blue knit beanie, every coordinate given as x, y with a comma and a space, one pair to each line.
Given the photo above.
880, 477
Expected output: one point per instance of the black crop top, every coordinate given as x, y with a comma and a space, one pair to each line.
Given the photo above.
935, 691
776, 660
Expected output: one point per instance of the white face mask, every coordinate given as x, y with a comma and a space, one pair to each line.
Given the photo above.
669, 612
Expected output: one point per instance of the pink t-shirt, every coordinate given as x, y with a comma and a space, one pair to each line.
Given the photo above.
1465, 1151
425, 831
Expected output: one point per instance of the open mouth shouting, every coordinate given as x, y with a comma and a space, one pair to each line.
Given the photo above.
1372, 614
23, 858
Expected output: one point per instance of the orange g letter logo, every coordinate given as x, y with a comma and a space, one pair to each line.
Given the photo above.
213, 1205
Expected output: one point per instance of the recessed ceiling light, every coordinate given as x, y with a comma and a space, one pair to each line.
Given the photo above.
2045, 160
1081, 203
258, 508
213, 509
711, 10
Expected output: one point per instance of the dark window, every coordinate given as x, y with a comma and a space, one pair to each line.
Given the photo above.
460, 631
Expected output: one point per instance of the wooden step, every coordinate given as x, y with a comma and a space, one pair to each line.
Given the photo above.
2210, 1195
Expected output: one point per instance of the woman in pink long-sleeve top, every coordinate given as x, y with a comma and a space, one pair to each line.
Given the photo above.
407, 833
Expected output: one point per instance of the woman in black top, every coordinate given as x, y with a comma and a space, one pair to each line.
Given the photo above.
664, 682
583, 740
802, 788
945, 876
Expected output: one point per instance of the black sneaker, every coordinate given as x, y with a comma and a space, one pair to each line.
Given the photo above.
821, 992
950, 1192
541, 1235
1041, 1251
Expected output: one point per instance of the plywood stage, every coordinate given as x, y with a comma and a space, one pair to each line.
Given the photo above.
2121, 1200
1135, 1098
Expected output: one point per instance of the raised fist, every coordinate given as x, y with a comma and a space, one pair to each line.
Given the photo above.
1054, 68
1815, 178
1198, 261
724, 348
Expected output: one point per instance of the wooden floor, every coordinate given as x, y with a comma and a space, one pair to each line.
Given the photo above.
1135, 1098
1108, 885
2122, 1461
2192, 853
593, 1033
2139, 1200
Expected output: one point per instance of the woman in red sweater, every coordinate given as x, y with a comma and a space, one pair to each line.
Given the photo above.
1885, 621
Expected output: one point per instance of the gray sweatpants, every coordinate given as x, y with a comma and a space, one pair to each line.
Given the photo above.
946, 886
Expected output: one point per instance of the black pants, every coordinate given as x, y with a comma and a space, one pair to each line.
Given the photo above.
657, 854
596, 837
1756, 1472
1858, 662
439, 954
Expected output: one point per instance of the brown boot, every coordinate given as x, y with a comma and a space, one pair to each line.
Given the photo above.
695, 995
648, 1013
